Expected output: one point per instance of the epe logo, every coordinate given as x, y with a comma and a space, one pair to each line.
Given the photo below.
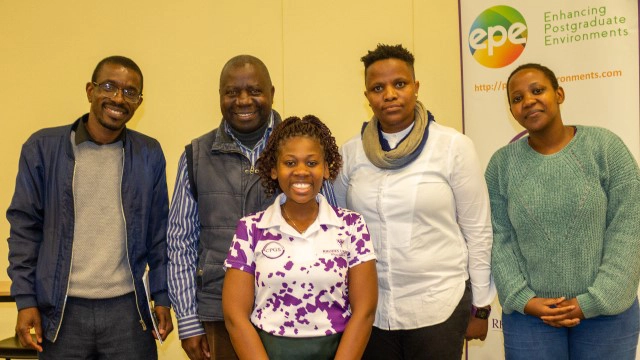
498, 36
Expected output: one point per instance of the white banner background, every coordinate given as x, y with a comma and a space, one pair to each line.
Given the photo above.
592, 46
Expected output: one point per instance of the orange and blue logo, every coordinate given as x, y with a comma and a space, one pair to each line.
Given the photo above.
498, 36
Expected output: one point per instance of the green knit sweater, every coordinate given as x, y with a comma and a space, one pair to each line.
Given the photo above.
566, 224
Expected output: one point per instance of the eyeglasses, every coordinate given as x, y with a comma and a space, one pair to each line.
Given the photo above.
111, 90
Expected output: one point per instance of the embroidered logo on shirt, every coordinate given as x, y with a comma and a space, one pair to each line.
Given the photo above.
273, 250
336, 252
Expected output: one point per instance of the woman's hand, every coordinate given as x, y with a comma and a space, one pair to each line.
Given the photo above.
556, 312
570, 319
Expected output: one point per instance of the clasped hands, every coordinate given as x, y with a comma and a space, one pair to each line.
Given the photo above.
556, 312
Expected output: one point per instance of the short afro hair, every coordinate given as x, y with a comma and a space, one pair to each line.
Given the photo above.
309, 126
383, 52
241, 60
548, 73
118, 60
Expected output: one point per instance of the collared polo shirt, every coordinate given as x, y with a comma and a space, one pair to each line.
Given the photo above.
301, 287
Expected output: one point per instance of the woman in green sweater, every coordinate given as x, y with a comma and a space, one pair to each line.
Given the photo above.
565, 205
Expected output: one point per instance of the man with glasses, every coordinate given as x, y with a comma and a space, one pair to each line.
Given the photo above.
87, 217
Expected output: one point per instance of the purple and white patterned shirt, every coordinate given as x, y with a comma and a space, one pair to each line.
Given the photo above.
301, 284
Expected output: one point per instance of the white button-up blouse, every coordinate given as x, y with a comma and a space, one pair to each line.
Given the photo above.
430, 224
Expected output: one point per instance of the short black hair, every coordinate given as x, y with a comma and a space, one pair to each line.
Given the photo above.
241, 60
543, 69
119, 60
293, 126
383, 52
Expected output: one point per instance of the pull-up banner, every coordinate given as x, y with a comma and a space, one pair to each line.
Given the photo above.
592, 46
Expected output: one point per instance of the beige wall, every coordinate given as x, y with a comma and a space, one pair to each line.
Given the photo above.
312, 49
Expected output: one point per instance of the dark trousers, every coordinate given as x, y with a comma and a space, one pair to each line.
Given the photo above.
442, 341
101, 329
219, 341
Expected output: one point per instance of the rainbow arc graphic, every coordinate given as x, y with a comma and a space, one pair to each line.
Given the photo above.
498, 36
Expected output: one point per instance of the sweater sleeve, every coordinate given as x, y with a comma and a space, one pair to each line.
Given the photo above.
615, 287
506, 260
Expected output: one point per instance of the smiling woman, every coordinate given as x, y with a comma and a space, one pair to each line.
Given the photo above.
300, 256
534, 99
565, 206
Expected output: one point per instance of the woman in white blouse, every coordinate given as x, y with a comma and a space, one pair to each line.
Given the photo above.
420, 187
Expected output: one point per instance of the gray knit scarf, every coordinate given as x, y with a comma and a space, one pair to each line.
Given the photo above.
408, 149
